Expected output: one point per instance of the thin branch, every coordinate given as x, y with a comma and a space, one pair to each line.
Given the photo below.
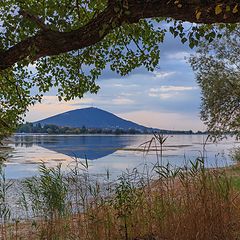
34, 19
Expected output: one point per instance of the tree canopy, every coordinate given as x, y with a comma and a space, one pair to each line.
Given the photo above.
217, 67
67, 44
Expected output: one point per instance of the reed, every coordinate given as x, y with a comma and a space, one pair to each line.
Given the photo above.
235, 154
162, 202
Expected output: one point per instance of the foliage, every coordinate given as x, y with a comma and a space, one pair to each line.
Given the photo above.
235, 154
5, 210
184, 203
217, 69
54, 129
75, 72
47, 195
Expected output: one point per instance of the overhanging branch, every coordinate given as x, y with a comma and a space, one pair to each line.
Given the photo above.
34, 19
49, 42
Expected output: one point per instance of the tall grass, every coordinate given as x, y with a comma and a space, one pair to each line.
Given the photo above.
235, 154
160, 203
45, 196
5, 211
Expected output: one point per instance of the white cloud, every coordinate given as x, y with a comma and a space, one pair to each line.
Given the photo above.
163, 75
166, 120
162, 96
178, 56
120, 85
152, 94
170, 88
167, 95
122, 101
129, 94
167, 92
51, 106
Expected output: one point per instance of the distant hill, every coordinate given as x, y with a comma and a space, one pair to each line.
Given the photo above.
92, 118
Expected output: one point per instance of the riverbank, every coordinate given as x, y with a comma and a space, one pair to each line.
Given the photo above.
193, 203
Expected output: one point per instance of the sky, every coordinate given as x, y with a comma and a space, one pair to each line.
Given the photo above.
168, 98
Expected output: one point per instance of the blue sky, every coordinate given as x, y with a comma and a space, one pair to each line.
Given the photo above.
167, 98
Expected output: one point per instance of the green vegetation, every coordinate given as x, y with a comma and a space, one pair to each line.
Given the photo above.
66, 45
159, 203
5, 211
54, 129
235, 154
217, 68
46, 194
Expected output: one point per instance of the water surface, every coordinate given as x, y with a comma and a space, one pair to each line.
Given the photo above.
109, 152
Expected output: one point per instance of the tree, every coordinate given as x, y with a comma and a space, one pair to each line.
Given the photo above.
67, 44
217, 68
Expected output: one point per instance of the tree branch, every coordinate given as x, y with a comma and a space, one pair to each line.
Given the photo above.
48, 42
34, 19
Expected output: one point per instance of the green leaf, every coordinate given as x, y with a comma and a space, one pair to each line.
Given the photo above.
183, 40
191, 44
228, 8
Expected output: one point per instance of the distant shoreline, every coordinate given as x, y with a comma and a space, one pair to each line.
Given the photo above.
113, 130
100, 134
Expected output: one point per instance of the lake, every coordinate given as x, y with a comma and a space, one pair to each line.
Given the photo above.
115, 153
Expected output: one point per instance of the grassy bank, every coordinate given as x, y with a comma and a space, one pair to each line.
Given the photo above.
159, 203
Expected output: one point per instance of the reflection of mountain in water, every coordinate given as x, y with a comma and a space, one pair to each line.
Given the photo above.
93, 147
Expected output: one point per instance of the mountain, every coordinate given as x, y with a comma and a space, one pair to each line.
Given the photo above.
92, 118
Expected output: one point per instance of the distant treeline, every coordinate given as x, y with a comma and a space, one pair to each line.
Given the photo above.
54, 129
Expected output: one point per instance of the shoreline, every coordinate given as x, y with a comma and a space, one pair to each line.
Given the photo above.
174, 185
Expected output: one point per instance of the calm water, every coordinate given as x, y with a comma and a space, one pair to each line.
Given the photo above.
115, 153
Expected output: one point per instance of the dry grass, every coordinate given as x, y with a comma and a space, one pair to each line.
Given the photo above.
179, 204
162, 203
